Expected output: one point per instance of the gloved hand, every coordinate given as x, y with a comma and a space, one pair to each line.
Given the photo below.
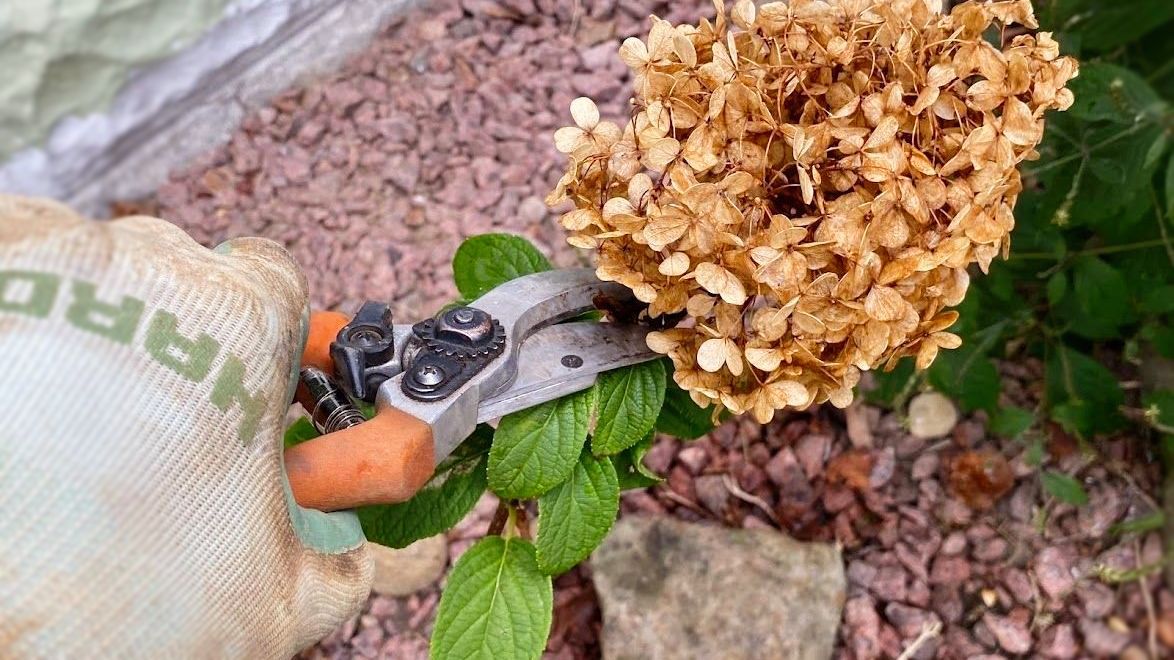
144, 509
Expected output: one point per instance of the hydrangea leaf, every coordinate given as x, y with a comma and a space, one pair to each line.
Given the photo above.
535, 450
497, 605
966, 374
486, 261
299, 432
680, 417
1011, 422
630, 468
1064, 488
629, 401
574, 516
451, 493
1075, 383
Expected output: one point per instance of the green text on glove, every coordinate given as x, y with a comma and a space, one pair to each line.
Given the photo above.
35, 294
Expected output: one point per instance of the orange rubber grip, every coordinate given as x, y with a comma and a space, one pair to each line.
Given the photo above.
324, 327
381, 461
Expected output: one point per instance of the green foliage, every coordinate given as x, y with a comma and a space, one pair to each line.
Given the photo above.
629, 401
497, 605
577, 514
682, 418
1089, 285
630, 468
1011, 422
485, 261
299, 432
451, 493
1064, 488
535, 450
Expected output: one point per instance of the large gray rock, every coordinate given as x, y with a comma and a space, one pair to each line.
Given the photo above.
677, 590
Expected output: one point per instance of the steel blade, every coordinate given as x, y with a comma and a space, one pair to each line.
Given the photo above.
564, 359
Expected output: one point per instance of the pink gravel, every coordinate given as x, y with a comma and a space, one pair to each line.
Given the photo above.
440, 130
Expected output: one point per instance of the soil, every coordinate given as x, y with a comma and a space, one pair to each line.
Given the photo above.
441, 129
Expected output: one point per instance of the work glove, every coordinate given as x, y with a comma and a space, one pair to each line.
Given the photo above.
144, 509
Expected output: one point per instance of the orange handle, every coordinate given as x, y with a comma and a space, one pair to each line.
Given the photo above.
382, 461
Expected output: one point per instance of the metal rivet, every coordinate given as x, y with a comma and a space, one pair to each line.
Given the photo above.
429, 375
572, 361
463, 316
366, 336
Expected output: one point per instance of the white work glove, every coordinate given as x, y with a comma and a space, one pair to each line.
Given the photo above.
144, 509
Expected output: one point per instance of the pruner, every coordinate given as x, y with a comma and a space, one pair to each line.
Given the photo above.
519, 345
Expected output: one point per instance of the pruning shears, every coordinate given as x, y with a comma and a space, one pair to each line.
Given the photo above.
520, 344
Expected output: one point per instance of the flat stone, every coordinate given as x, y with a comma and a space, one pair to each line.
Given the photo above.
931, 415
670, 589
407, 570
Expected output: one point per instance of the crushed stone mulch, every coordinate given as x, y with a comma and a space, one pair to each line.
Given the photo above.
441, 129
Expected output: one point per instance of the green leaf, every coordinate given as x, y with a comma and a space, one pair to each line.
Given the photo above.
1082, 392
535, 450
497, 604
1170, 189
892, 385
1159, 300
574, 516
1100, 304
1147, 523
966, 374
486, 261
630, 467
1011, 422
1107, 92
1057, 287
1064, 488
451, 493
300, 431
1161, 336
680, 417
1103, 25
629, 401
1159, 408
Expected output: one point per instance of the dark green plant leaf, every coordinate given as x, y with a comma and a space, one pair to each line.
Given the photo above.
1107, 92
1147, 523
535, 450
1159, 300
486, 261
1101, 301
630, 467
439, 506
1161, 336
1170, 189
890, 386
447, 497
629, 401
1083, 395
1064, 488
496, 606
574, 516
1057, 287
680, 417
966, 374
1102, 25
299, 432
1159, 406
1011, 422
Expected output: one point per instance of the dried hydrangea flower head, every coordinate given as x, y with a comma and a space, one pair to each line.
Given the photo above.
808, 182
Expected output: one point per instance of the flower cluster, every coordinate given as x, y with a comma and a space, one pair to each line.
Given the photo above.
807, 182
